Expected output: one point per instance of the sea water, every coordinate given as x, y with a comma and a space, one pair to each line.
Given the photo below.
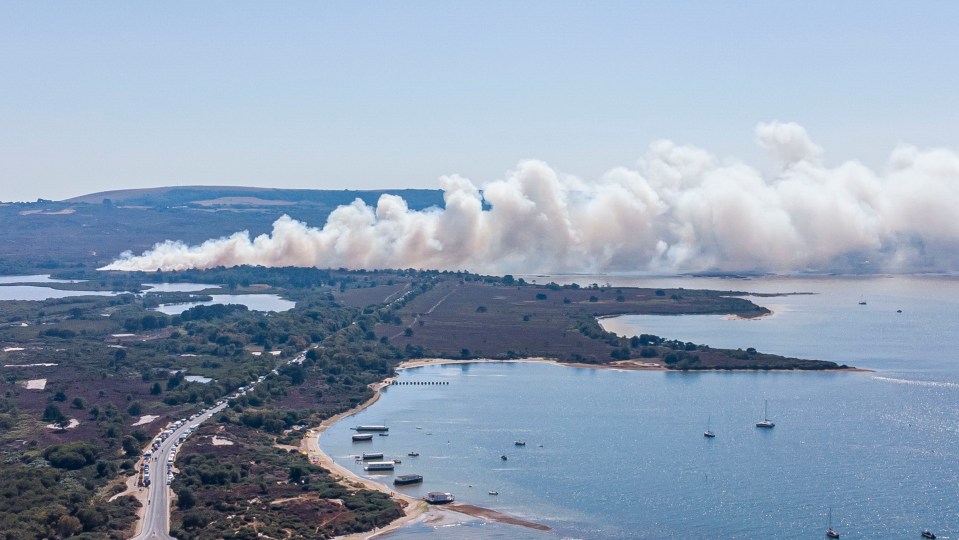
619, 454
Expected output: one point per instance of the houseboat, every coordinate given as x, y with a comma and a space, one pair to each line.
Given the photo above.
405, 479
362, 437
372, 428
379, 466
372, 455
438, 497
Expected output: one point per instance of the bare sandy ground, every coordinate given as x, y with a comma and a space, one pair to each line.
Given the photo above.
73, 423
36, 384
145, 420
217, 441
139, 494
31, 365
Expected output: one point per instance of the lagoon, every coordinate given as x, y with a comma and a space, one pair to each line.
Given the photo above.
36, 290
255, 302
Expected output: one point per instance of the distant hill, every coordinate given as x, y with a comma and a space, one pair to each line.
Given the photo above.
91, 230
207, 196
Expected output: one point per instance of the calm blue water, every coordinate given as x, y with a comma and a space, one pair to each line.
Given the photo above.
255, 302
40, 291
623, 454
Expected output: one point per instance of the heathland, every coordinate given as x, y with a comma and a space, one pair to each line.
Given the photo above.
88, 381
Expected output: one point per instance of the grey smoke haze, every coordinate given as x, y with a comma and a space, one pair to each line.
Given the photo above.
679, 209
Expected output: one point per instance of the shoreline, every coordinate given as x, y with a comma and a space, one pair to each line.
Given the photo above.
622, 365
310, 445
416, 510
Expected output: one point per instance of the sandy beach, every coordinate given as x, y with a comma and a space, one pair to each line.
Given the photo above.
631, 365
414, 509
310, 445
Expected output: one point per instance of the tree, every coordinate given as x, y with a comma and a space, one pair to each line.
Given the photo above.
185, 499
297, 474
156, 389
135, 409
408, 332
131, 445
68, 526
53, 414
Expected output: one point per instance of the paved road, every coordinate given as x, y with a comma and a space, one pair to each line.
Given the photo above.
156, 515
156, 521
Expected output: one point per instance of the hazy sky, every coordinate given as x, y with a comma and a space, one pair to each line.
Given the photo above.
109, 95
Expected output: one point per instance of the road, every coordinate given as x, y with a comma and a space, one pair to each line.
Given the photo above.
155, 521
156, 514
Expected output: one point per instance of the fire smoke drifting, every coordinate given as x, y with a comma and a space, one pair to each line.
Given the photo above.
681, 209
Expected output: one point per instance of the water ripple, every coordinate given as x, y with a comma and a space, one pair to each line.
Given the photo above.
937, 384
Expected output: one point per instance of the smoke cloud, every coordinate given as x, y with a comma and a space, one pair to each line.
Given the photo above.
680, 209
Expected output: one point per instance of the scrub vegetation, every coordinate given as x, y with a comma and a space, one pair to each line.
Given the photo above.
110, 363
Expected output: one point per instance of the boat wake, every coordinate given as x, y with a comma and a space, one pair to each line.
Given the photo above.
936, 384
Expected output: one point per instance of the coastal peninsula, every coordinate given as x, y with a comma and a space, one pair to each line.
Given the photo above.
108, 372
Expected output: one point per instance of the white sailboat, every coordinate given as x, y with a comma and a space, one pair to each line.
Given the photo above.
765, 422
708, 433
830, 532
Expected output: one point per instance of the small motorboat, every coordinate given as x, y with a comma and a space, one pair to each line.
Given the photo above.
494, 492
413, 454
928, 534
520, 443
503, 457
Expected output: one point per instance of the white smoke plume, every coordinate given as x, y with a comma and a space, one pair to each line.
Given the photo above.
680, 209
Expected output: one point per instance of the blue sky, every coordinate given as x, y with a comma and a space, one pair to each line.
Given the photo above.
97, 96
